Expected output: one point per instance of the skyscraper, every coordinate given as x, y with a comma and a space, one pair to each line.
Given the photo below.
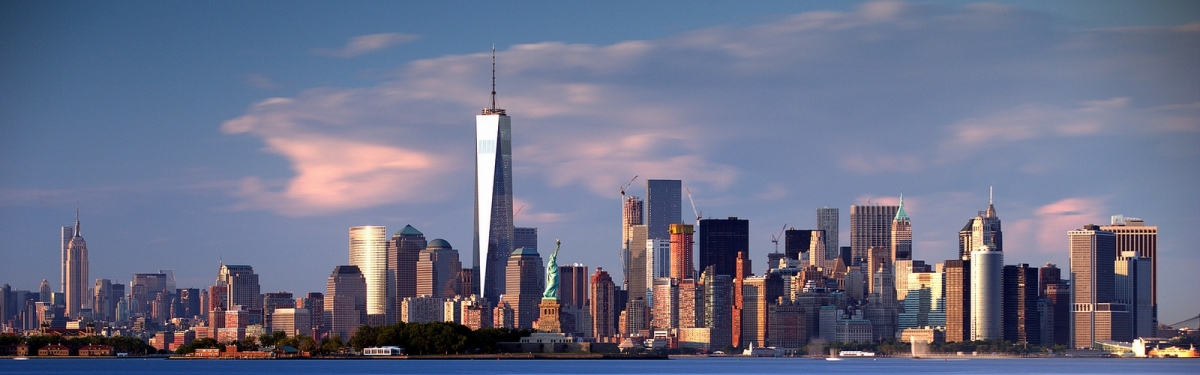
368, 251
1132, 234
987, 298
901, 234
403, 251
526, 237
637, 284
664, 203
604, 304
1022, 322
981, 230
67, 234
573, 288
958, 299
242, 286
345, 301
682, 266
720, 242
827, 220
493, 240
631, 215
77, 273
1096, 318
525, 280
718, 306
1132, 279
438, 270
870, 226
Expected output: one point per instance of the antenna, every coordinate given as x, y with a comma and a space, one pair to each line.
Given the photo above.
493, 77
989, 195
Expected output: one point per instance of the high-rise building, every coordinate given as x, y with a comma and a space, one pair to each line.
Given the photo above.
292, 321
827, 220
77, 273
1132, 279
345, 301
1132, 234
664, 314
987, 298
981, 230
526, 237
314, 302
573, 285
242, 286
664, 204
1059, 298
797, 242
631, 215
403, 251
901, 234
658, 264
636, 284
924, 302
438, 270
1022, 322
1048, 274
742, 271
757, 293
102, 301
870, 226
493, 240
274, 301
1093, 257
958, 299
525, 280
720, 241
718, 305
368, 251
682, 266
68, 233
603, 304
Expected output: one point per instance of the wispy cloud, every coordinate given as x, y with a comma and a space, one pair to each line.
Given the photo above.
261, 81
363, 44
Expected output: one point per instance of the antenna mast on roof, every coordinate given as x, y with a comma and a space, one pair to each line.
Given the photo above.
493, 78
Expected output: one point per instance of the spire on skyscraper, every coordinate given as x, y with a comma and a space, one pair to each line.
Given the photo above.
492, 108
77, 219
991, 210
900, 214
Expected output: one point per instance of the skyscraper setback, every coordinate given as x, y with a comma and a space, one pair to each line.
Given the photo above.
76, 267
492, 243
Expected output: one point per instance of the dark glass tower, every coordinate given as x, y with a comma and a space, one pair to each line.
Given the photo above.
720, 242
664, 202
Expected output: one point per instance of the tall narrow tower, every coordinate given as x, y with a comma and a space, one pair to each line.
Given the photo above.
493, 196
77, 271
368, 251
901, 234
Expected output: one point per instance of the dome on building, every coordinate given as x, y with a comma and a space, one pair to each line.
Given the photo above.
439, 243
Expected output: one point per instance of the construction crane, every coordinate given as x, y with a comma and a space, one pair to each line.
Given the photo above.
518, 212
626, 186
694, 210
776, 239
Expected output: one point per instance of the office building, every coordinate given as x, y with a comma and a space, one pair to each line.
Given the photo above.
1132, 276
1022, 321
638, 274
925, 301
241, 284
664, 205
631, 215
981, 230
345, 301
958, 299
987, 298
901, 234
368, 251
438, 270
870, 226
525, 282
720, 240
292, 321
573, 286
742, 271
314, 302
403, 251
658, 265
827, 220
76, 289
603, 304
1132, 234
526, 237
493, 241
1093, 259
682, 266
1058, 296
757, 293
664, 313
717, 306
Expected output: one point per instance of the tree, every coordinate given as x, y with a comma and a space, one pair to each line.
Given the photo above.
270, 339
332, 344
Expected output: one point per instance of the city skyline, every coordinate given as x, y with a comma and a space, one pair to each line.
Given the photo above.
233, 168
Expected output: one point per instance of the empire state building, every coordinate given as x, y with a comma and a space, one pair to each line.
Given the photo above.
76, 268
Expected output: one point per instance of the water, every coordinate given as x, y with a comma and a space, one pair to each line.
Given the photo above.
624, 367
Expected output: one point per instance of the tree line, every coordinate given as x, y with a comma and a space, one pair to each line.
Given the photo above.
435, 337
120, 344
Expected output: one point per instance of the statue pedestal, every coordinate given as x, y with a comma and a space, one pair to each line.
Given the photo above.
550, 320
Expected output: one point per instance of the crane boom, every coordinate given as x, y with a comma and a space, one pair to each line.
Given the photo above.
694, 210
627, 184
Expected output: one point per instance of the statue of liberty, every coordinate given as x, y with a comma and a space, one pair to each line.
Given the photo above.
552, 274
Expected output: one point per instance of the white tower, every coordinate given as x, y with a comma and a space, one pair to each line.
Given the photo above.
987, 279
493, 196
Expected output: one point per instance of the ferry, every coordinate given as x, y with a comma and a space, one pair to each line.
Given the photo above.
383, 351
855, 353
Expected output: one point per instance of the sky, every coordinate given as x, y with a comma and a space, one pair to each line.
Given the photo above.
192, 133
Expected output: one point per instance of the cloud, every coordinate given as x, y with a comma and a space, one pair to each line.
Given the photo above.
1045, 232
261, 81
364, 44
927, 92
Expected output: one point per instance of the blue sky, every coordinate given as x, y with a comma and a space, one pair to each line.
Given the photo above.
257, 132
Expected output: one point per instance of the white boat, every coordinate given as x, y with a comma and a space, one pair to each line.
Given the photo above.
20, 358
832, 359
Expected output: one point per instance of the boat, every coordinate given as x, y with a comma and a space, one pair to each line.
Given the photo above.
20, 358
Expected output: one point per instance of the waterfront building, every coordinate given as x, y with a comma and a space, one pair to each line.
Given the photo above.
438, 270
603, 304
1095, 317
1132, 275
827, 220
987, 298
786, 328
493, 238
345, 301
717, 305
368, 251
958, 299
525, 282
1022, 322
870, 226
720, 240
402, 253
1132, 234
1058, 326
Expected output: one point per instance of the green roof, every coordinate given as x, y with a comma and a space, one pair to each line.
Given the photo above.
438, 244
410, 231
525, 251
900, 214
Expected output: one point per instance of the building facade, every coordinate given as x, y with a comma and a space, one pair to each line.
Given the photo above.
827, 220
345, 301
870, 226
720, 241
493, 238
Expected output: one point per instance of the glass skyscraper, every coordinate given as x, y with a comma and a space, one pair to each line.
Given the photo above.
493, 240
664, 200
368, 251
